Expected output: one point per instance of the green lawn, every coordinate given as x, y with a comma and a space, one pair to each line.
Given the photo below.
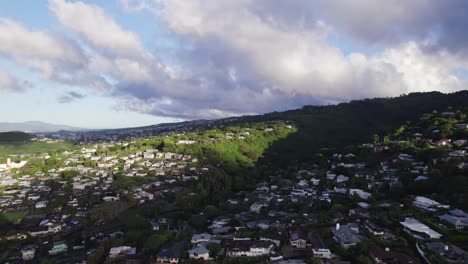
12, 217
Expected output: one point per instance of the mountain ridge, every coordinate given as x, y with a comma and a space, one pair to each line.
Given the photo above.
35, 127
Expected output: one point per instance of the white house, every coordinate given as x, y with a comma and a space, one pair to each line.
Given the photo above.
199, 253
257, 206
41, 204
198, 238
362, 194
323, 253
418, 228
249, 248
297, 238
28, 252
121, 251
428, 204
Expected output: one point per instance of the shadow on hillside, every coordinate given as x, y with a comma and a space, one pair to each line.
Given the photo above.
338, 126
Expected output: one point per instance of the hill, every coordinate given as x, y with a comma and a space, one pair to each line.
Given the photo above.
337, 126
11, 137
35, 127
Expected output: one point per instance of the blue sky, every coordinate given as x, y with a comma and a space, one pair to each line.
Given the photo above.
108, 64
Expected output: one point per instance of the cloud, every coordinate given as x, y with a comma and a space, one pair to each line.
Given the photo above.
248, 56
20, 42
240, 57
53, 56
70, 97
9, 83
97, 27
136, 5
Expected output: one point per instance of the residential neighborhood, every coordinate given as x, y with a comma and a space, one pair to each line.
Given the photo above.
138, 202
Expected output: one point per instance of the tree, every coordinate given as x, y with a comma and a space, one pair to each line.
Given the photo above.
375, 139
214, 248
156, 241
198, 221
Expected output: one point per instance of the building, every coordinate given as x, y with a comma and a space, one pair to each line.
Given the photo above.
58, 248
121, 251
418, 229
382, 256
246, 248
257, 206
456, 218
41, 204
323, 253
28, 252
198, 238
171, 253
199, 253
347, 235
428, 204
360, 193
451, 253
373, 229
297, 238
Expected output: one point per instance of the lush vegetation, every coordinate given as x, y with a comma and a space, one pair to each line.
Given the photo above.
338, 126
13, 137
31, 148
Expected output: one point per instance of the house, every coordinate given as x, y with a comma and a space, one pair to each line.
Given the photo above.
315, 181
347, 235
220, 222
38, 231
155, 225
297, 238
457, 218
246, 248
111, 197
257, 206
450, 252
457, 153
41, 204
199, 253
58, 248
373, 229
273, 239
379, 255
121, 251
360, 193
323, 253
171, 253
419, 229
428, 204
198, 238
28, 252
341, 178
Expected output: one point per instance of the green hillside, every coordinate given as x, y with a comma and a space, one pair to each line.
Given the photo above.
338, 126
11, 137
19, 143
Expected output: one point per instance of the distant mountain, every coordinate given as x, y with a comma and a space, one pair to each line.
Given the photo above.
35, 127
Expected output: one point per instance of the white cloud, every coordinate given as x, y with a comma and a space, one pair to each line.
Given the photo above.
248, 56
293, 56
20, 42
97, 27
9, 83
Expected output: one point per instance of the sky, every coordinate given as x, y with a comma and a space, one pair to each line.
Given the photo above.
123, 63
